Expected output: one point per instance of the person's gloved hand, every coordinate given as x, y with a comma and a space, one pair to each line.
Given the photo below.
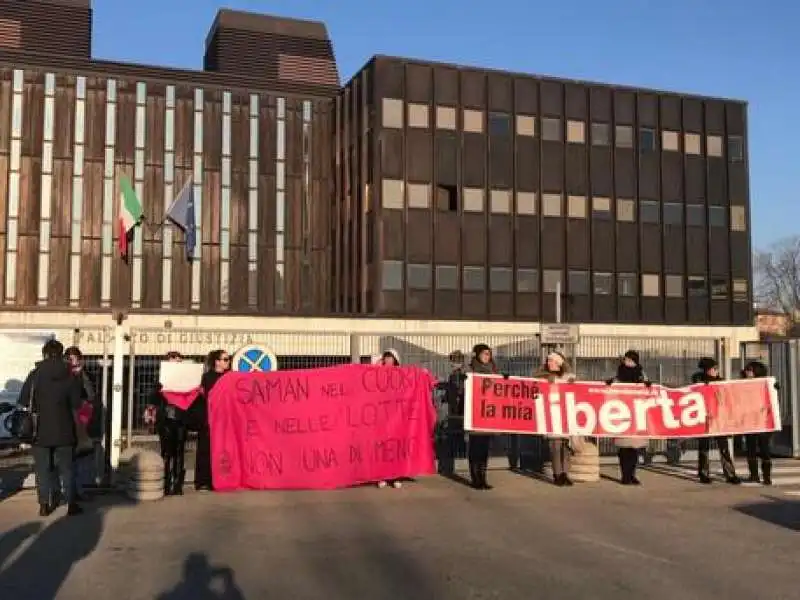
610, 381
505, 375
777, 386
648, 384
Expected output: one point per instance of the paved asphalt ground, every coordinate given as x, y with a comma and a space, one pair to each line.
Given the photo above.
433, 540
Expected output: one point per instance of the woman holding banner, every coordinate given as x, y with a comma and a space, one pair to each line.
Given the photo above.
556, 369
217, 364
390, 358
757, 444
478, 449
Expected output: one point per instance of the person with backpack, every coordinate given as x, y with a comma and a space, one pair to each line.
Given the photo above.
53, 397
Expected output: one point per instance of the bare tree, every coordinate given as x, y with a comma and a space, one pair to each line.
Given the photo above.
777, 278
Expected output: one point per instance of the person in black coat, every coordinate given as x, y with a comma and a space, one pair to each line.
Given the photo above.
86, 458
757, 444
217, 364
708, 372
51, 392
170, 424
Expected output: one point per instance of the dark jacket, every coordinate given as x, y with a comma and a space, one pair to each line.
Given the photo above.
56, 399
454, 392
165, 411
197, 415
627, 374
89, 393
702, 377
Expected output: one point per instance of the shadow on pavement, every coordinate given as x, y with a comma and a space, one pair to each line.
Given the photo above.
780, 512
200, 580
11, 540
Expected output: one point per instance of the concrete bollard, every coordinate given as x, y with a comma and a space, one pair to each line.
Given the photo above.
585, 464
145, 476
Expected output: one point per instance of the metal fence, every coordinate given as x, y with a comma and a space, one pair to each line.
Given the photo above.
782, 358
667, 360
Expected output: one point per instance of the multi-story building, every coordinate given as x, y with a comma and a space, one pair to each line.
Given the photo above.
415, 191
467, 193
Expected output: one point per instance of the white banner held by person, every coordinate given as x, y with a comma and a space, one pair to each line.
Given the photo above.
180, 376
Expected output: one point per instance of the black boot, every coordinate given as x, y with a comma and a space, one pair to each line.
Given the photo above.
177, 487
45, 510
752, 466
168, 478
474, 476
484, 482
766, 467
74, 509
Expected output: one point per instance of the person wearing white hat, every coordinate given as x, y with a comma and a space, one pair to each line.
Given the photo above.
390, 358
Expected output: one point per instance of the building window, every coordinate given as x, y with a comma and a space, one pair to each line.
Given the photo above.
578, 282
740, 290
393, 113
696, 215
720, 289
500, 201
418, 277
576, 207
474, 279
419, 195
392, 194
738, 218
418, 116
551, 205
670, 141
647, 139
649, 211
717, 216
551, 281
623, 135
527, 281
735, 148
626, 284
392, 275
650, 286
447, 198
601, 134
601, 207
446, 118
576, 132
673, 286
551, 129
714, 145
499, 124
501, 279
626, 210
691, 143
526, 203
526, 125
673, 213
696, 286
446, 277
473, 121
473, 200
603, 284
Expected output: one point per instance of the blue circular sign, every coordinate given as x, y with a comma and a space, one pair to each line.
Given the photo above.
254, 359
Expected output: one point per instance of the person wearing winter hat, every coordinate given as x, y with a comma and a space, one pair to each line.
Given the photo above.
390, 358
757, 444
708, 372
454, 398
478, 448
628, 449
556, 369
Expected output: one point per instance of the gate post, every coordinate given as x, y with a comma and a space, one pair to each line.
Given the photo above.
115, 437
355, 348
794, 394
723, 356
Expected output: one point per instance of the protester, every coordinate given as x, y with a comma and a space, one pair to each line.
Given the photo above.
390, 358
454, 397
170, 422
217, 364
628, 449
757, 444
54, 395
709, 372
556, 369
91, 416
479, 443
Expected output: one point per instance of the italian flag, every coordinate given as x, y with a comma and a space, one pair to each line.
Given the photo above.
130, 213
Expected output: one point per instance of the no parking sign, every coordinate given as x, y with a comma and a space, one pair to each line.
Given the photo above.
254, 358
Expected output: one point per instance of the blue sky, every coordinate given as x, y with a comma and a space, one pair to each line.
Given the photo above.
731, 48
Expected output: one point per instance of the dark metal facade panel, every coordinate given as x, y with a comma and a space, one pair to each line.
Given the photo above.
49, 27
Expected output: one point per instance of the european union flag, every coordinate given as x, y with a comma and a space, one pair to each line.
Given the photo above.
181, 212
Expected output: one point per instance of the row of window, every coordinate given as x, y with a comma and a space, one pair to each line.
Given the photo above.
417, 116
395, 195
579, 283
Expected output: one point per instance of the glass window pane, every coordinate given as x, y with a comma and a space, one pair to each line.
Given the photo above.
551, 280
735, 148
673, 286
603, 284
649, 211
418, 277
650, 285
501, 279
696, 215
717, 216
527, 281
578, 282
499, 124
720, 289
627, 284
393, 113
392, 275
446, 277
551, 129
673, 213
624, 136
696, 286
474, 279
647, 139
601, 134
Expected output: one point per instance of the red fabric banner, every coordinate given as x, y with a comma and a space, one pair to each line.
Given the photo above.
321, 428
182, 400
522, 405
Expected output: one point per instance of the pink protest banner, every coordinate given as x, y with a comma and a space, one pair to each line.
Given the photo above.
321, 428
182, 400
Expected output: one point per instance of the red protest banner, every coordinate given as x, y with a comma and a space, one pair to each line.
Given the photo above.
523, 405
321, 428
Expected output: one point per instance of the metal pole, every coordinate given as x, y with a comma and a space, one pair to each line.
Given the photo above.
104, 472
116, 398
131, 376
355, 348
793, 374
558, 301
